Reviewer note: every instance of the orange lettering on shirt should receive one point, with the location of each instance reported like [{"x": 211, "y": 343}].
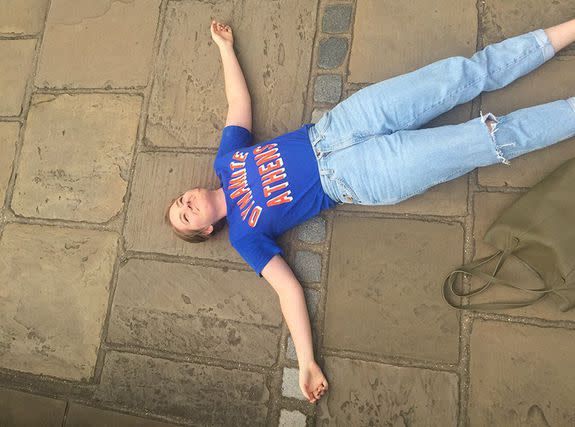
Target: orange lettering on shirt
[
  {"x": 268, "y": 156},
  {"x": 263, "y": 169},
  {"x": 274, "y": 176},
  {"x": 240, "y": 191},
  {"x": 263, "y": 148},
  {"x": 240, "y": 156},
  {"x": 237, "y": 182},
  {"x": 269, "y": 190},
  {"x": 237, "y": 165},
  {"x": 246, "y": 211},
  {"x": 243, "y": 202},
  {"x": 238, "y": 173},
  {"x": 255, "y": 216},
  {"x": 282, "y": 198}
]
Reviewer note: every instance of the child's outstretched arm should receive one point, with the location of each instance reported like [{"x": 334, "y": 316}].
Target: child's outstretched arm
[
  {"x": 239, "y": 102},
  {"x": 311, "y": 379}
]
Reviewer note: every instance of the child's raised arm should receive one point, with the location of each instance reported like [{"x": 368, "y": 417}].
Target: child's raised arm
[
  {"x": 292, "y": 301},
  {"x": 239, "y": 102}
]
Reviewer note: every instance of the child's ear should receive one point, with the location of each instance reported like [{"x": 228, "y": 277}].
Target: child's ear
[{"x": 208, "y": 230}]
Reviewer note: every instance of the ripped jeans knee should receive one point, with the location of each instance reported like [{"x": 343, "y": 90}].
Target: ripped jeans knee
[{"x": 491, "y": 122}]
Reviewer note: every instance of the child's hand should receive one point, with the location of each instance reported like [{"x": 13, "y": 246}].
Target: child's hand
[
  {"x": 312, "y": 382},
  {"x": 221, "y": 34}
]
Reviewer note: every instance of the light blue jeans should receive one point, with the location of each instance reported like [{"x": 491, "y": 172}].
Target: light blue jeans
[{"x": 370, "y": 151}]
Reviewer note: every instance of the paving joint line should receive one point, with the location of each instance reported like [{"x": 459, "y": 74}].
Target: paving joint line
[
  {"x": 188, "y": 358},
  {"x": 140, "y": 134},
  {"x": 398, "y": 361},
  {"x": 188, "y": 260},
  {"x": 524, "y": 320}
]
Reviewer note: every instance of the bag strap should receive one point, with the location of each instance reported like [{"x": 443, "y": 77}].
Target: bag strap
[{"x": 450, "y": 294}]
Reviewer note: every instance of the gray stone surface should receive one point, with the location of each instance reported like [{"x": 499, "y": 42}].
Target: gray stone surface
[
  {"x": 85, "y": 416},
  {"x": 553, "y": 81},
  {"x": 327, "y": 88},
  {"x": 337, "y": 18},
  {"x": 519, "y": 375},
  {"x": 273, "y": 40},
  {"x": 158, "y": 179},
  {"x": 374, "y": 394},
  {"x": 21, "y": 17},
  {"x": 59, "y": 177},
  {"x": 312, "y": 231},
  {"x": 317, "y": 114},
  {"x": 186, "y": 309},
  {"x": 307, "y": 266},
  {"x": 290, "y": 384},
  {"x": 447, "y": 199},
  {"x": 488, "y": 207},
  {"x": 383, "y": 288},
  {"x": 332, "y": 52},
  {"x": 432, "y": 35},
  {"x": 201, "y": 394},
  {"x": 54, "y": 298},
  {"x": 8, "y": 140},
  {"x": 96, "y": 44},
  {"x": 19, "y": 409},
  {"x": 292, "y": 419},
  {"x": 15, "y": 69}
]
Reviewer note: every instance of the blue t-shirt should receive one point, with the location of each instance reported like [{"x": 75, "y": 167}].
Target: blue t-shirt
[{"x": 269, "y": 188}]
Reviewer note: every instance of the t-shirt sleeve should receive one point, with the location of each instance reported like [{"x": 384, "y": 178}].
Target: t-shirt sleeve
[
  {"x": 233, "y": 138},
  {"x": 257, "y": 250}
]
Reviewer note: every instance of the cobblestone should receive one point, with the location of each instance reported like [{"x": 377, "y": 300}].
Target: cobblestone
[
  {"x": 292, "y": 419},
  {"x": 332, "y": 52},
  {"x": 337, "y": 18},
  {"x": 312, "y": 231},
  {"x": 307, "y": 266},
  {"x": 290, "y": 384},
  {"x": 327, "y": 88}
]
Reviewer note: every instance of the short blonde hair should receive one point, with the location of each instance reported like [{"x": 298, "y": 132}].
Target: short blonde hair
[{"x": 193, "y": 236}]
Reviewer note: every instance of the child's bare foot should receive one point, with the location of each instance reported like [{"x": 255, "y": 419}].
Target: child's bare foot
[{"x": 312, "y": 382}]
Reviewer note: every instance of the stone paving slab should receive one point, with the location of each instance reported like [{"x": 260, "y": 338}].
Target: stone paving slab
[
  {"x": 19, "y": 409},
  {"x": 374, "y": 394},
  {"x": 202, "y": 394},
  {"x": 506, "y": 18},
  {"x": 76, "y": 156},
  {"x": 98, "y": 44},
  {"x": 23, "y": 17},
  {"x": 158, "y": 179},
  {"x": 85, "y": 416},
  {"x": 553, "y": 81},
  {"x": 521, "y": 375},
  {"x": 387, "y": 274},
  {"x": 54, "y": 298},
  {"x": 488, "y": 207},
  {"x": 274, "y": 44},
  {"x": 390, "y": 50},
  {"x": 185, "y": 309},
  {"x": 447, "y": 199},
  {"x": 8, "y": 140},
  {"x": 15, "y": 68}
]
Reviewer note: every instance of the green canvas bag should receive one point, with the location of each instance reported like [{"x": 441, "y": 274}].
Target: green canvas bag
[{"x": 538, "y": 230}]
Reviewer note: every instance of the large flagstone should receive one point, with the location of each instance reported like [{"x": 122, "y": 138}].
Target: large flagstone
[
  {"x": 53, "y": 298},
  {"x": 273, "y": 41}
]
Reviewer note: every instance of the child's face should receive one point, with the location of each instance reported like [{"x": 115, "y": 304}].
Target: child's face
[{"x": 193, "y": 210}]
